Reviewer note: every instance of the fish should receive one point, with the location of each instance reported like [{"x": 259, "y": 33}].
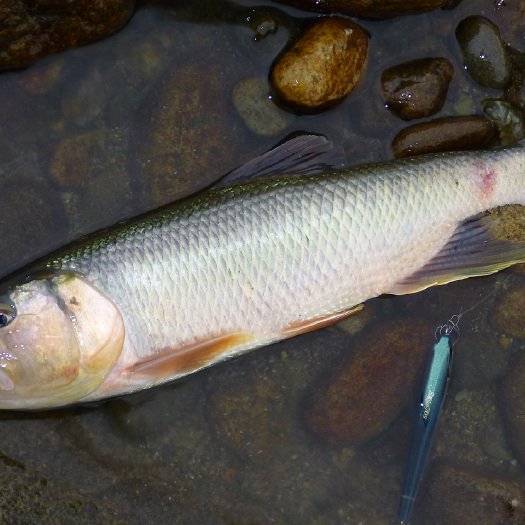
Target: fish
[{"x": 245, "y": 265}]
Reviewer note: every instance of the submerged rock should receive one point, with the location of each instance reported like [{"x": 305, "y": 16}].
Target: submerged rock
[
  {"x": 512, "y": 405},
  {"x": 418, "y": 88},
  {"x": 185, "y": 138},
  {"x": 71, "y": 160},
  {"x": 483, "y": 52},
  {"x": 479, "y": 360},
  {"x": 368, "y": 8},
  {"x": 369, "y": 389},
  {"x": 322, "y": 67},
  {"x": 447, "y": 134},
  {"x": 250, "y": 402},
  {"x": 508, "y": 316},
  {"x": 508, "y": 120},
  {"x": 462, "y": 495},
  {"x": 32, "y": 30},
  {"x": 252, "y": 100}
]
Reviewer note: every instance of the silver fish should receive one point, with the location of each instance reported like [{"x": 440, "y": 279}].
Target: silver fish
[{"x": 243, "y": 267}]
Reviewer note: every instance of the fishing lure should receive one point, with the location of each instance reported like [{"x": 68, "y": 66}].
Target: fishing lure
[
  {"x": 427, "y": 415},
  {"x": 429, "y": 408}
]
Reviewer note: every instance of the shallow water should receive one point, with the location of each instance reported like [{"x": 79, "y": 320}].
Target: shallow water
[{"x": 228, "y": 445}]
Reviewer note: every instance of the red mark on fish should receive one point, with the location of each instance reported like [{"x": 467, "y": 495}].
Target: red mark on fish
[{"x": 485, "y": 178}]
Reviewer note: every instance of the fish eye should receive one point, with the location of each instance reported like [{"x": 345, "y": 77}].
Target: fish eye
[{"x": 7, "y": 313}]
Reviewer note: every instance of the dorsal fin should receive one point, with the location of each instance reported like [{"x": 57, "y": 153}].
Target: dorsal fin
[{"x": 301, "y": 156}]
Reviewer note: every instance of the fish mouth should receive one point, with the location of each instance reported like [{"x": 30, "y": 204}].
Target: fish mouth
[{"x": 65, "y": 340}]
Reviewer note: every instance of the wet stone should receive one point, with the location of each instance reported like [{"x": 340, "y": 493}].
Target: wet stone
[
  {"x": 508, "y": 315},
  {"x": 483, "y": 52},
  {"x": 461, "y": 495},
  {"x": 32, "y": 30},
  {"x": 322, "y": 67},
  {"x": 368, "y": 8},
  {"x": 252, "y": 100},
  {"x": 368, "y": 390},
  {"x": 418, "y": 88},
  {"x": 512, "y": 405},
  {"x": 508, "y": 120},
  {"x": 447, "y": 134}
]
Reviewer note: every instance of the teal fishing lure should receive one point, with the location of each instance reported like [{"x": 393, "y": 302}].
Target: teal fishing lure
[
  {"x": 429, "y": 407},
  {"x": 427, "y": 415}
]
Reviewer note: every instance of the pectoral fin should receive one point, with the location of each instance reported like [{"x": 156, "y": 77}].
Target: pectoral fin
[
  {"x": 173, "y": 362},
  {"x": 471, "y": 251}
]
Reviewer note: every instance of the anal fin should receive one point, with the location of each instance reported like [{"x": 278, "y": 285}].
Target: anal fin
[
  {"x": 181, "y": 360},
  {"x": 301, "y": 327},
  {"x": 471, "y": 251}
]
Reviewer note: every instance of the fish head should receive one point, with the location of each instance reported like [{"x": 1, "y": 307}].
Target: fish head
[{"x": 59, "y": 338}]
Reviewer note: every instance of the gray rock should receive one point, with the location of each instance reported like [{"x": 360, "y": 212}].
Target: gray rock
[{"x": 483, "y": 52}]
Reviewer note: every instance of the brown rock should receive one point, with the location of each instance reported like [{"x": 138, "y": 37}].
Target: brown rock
[
  {"x": 512, "y": 405},
  {"x": 323, "y": 66},
  {"x": 368, "y": 8},
  {"x": 369, "y": 390},
  {"x": 462, "y": 495},
  {"x": 508, "y": 316},
  {"x": 185, "y": 134},
  {"x": 30, "y": 32},
  {"x": 418, "y": 88},
  {"x": 447, "y": 134}
]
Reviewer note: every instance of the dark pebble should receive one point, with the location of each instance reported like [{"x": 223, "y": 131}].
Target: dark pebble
[
  {"x": 447, "y": 134},
  {"x": 418, "y": 88},
  {"x": 483, "y": 52}
]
